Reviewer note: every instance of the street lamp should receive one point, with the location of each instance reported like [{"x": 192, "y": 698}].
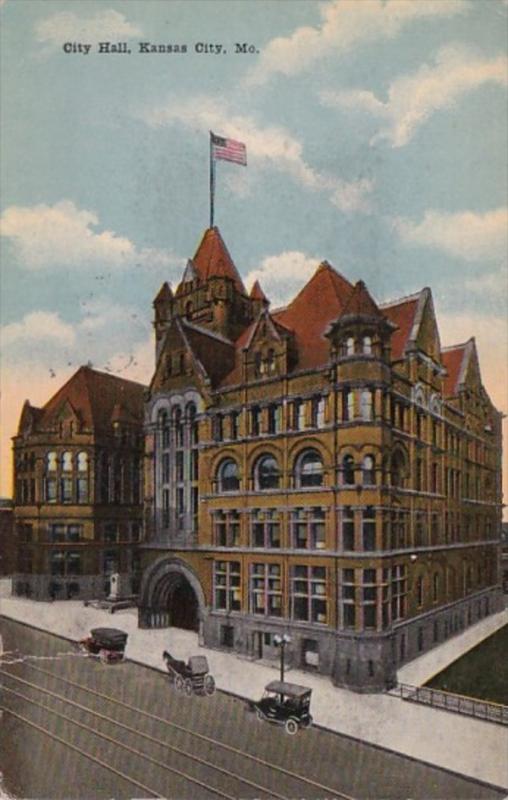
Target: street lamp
[{"x": 281, "y": 641}]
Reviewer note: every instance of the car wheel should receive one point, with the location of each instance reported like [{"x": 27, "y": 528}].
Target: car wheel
[
  {"x": 188, "y": 687},
  {"x": 291, "y": 727},
  {"x": 260, "y": 716},
  {"x": 209, "y": 685},
  {"x": 179, "y": 683},
  {"x": 307, "y": 723}
]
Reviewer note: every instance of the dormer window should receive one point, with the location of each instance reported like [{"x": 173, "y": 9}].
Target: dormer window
[
  {"x": 270, "y": 361},
  {"x": 367, "y": 345},
  {"x": 350, "y": 346}
]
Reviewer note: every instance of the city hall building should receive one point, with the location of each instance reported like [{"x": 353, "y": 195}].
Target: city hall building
[
  {"x": 78, "y": 489},
  {"x": 326, "y": 470}
]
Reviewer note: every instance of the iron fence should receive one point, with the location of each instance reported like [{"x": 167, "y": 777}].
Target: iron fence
[{"x": 460, "y": 704}]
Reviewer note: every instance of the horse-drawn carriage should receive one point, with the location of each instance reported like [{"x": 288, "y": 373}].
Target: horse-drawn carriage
[
  {"x": 192, "y": 677},
  {"x": 106, "y": 643}
]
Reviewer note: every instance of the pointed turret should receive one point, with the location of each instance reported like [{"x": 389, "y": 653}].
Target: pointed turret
[
  {"x": 164, "y": 294},
  {"x": 212, "y": 259},
  {"x": 360, "y": 304}
]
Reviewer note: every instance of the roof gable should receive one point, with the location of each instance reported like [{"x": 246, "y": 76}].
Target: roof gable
[
  {"x": 321, "y": 301},
  {"x": 402, "y": 313},
  {"x": 426, "y": 335},
  {"x": 212, "y": 259}
]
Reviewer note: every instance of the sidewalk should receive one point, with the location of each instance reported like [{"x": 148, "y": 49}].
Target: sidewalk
[{"x": 468, "y": 746}]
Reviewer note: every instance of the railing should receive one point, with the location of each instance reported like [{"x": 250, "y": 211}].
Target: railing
[
  {"x": 460, "y": 704},
  {"x": 153, "y": 618}
]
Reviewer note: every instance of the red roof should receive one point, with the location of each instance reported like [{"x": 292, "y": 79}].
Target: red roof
[
  {"x": 361, "y": 303},
  {"x": 453, "y": 359},
  {"x": 320, "y": 302},
  {"x": 402, "y": 314},
  {"x": 96, "y": 398},
  {"x": 212, "y": 258},
  {"x": 256, "y": 293}
]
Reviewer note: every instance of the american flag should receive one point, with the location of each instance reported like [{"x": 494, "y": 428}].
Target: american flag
[{"x": 228, "y": 150}]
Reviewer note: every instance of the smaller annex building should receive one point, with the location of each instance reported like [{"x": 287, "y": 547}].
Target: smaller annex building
[
  {"x": 78, "y": 489},
  {"x": 327, "y": 470}
]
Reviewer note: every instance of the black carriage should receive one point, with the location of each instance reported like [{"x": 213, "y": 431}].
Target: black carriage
[
  {"x": 285, "y": 704},
  {"x": 192, "y": 677},
  {"x": 106, "y": 643}
]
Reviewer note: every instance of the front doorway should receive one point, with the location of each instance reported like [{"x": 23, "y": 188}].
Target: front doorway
[{"x": 183, "y": 606}]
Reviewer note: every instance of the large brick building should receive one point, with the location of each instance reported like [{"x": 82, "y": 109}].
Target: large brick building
[
  {"x": 78, "y": 488},
  {"x": 327, "y": 470}
]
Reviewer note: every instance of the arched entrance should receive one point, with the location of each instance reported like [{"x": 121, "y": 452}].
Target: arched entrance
[{"x": 171, "y": 596}]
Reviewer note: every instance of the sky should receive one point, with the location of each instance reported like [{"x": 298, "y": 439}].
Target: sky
[{"x": 376, "y": 138}]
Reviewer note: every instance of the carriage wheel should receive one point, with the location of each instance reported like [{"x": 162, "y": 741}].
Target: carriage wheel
[
  {"x": 188, "y": 687},
  {"x": 209, "y": 685},
  {"x": 179, "y": 683},
  {"x": 291, "y": 727},
  {"x": 83, "y": 648},
  {"x": 259, "y": 716},
  {"x": 103, "y": 656}
]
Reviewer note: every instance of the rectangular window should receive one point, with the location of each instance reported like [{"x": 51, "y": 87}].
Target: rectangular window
[
  {"x": 399, "y": 591},
  {"x": 233, "y": 425},
  {"x": 369, "y": 528},
  {"x": 265, "y": 528},
  {"x": 308, "y": 528},
  {"x": 74, "y": 533},
  {"x": 369, "y": 598},
  {"x": 180, "y": 508},
  {"x": 57, "y": 533},
  {"x": 348, "y": 598},
  {"x": 111, "y": 532},
  {"x": 179, "y": 466},
  {"x": 348, "y": 528},
  {"x": 82, "y": 490},
  {"x": 255, "y": 417},
  {"x": 226, "y": 528},
  {"x": 266, "y": 590},
  {"x": 165, "y": 467},
  {"x": 273, "y": 413},
  {"x": 318, "y": 412},
  {"x": 227, "y": 587},
  {"x": 308, "y": 594},
  {"x": 348, "y": 405},
  {"x": 66, "y": 489},
  {"x": 51, "y": 490},
  {"x": 217, "y": 428}
]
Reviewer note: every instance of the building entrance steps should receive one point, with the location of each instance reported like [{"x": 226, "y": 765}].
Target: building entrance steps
[{"x": 464, "y": 745}]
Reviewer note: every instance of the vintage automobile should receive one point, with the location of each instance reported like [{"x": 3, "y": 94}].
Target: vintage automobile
[
  {"x": 285, "y": 704},
  {"x": 193, "y": 677},
  {"x": 106, "y": 643}
]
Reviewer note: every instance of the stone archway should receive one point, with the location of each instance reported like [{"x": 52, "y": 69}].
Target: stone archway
[{"x": 171, "y": 596}]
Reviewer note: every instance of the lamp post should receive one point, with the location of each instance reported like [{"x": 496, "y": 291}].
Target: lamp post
[{"x": 281, "y": 641}]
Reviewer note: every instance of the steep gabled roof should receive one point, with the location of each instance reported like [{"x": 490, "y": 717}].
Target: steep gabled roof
[
  {"x": 360, "y": 303},
  {"x": 321, "y": 301},
  {"x": 164, "y": 294},
  {"x": 256, "y": 293},
  {"x": 457, "y": 360},
  {"x": 403, "y": 314},
  {"x": 94, "y": 396},
  {"x": 212, "y": 258}
]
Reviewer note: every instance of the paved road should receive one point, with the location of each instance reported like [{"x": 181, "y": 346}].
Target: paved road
[{"x": 101, "y": 731}]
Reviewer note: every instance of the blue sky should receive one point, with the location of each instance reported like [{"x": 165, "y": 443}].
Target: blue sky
[{"x": 376, "y": 137}]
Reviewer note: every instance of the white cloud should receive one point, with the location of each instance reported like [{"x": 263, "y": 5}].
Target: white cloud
[
  {"x": 346, "y": 24},
  {"x": 269, "y": 147},
  {"x": 106, "y": 25},
  {"x": 282, "y": 276},
  {"x": 413, "y": 99},
  {"x": 63, "y": 235},
  {"x": 468, "y": 235},
  {"x": 38, "y": 326}
]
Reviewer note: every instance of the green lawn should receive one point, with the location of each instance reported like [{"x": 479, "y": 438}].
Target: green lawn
[{"x": 481, "y": 673}]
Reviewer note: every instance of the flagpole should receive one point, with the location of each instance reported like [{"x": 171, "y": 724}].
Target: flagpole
[{"x": 212, "y": 181}]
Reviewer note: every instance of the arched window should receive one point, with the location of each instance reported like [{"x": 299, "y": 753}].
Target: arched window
[
  {"x": 348, "y": 470},
  {"x": 266, "y": 473},
  {"x": 367, "y": 345},
  {"x": 350, "y": 346},
  {"x": 398, "y": 468},
  {"x": 368, "y": 470},
  {"x": 82, "y": 462},
  {"x": 67, "y": 461},
  {"x": 178, "y": 426},
  {"x": 228, "y": 479},
  {"x": 51, "y": 462},
  {"x": 309, "y": 469},
  {"x": 366, "y": 404}
]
